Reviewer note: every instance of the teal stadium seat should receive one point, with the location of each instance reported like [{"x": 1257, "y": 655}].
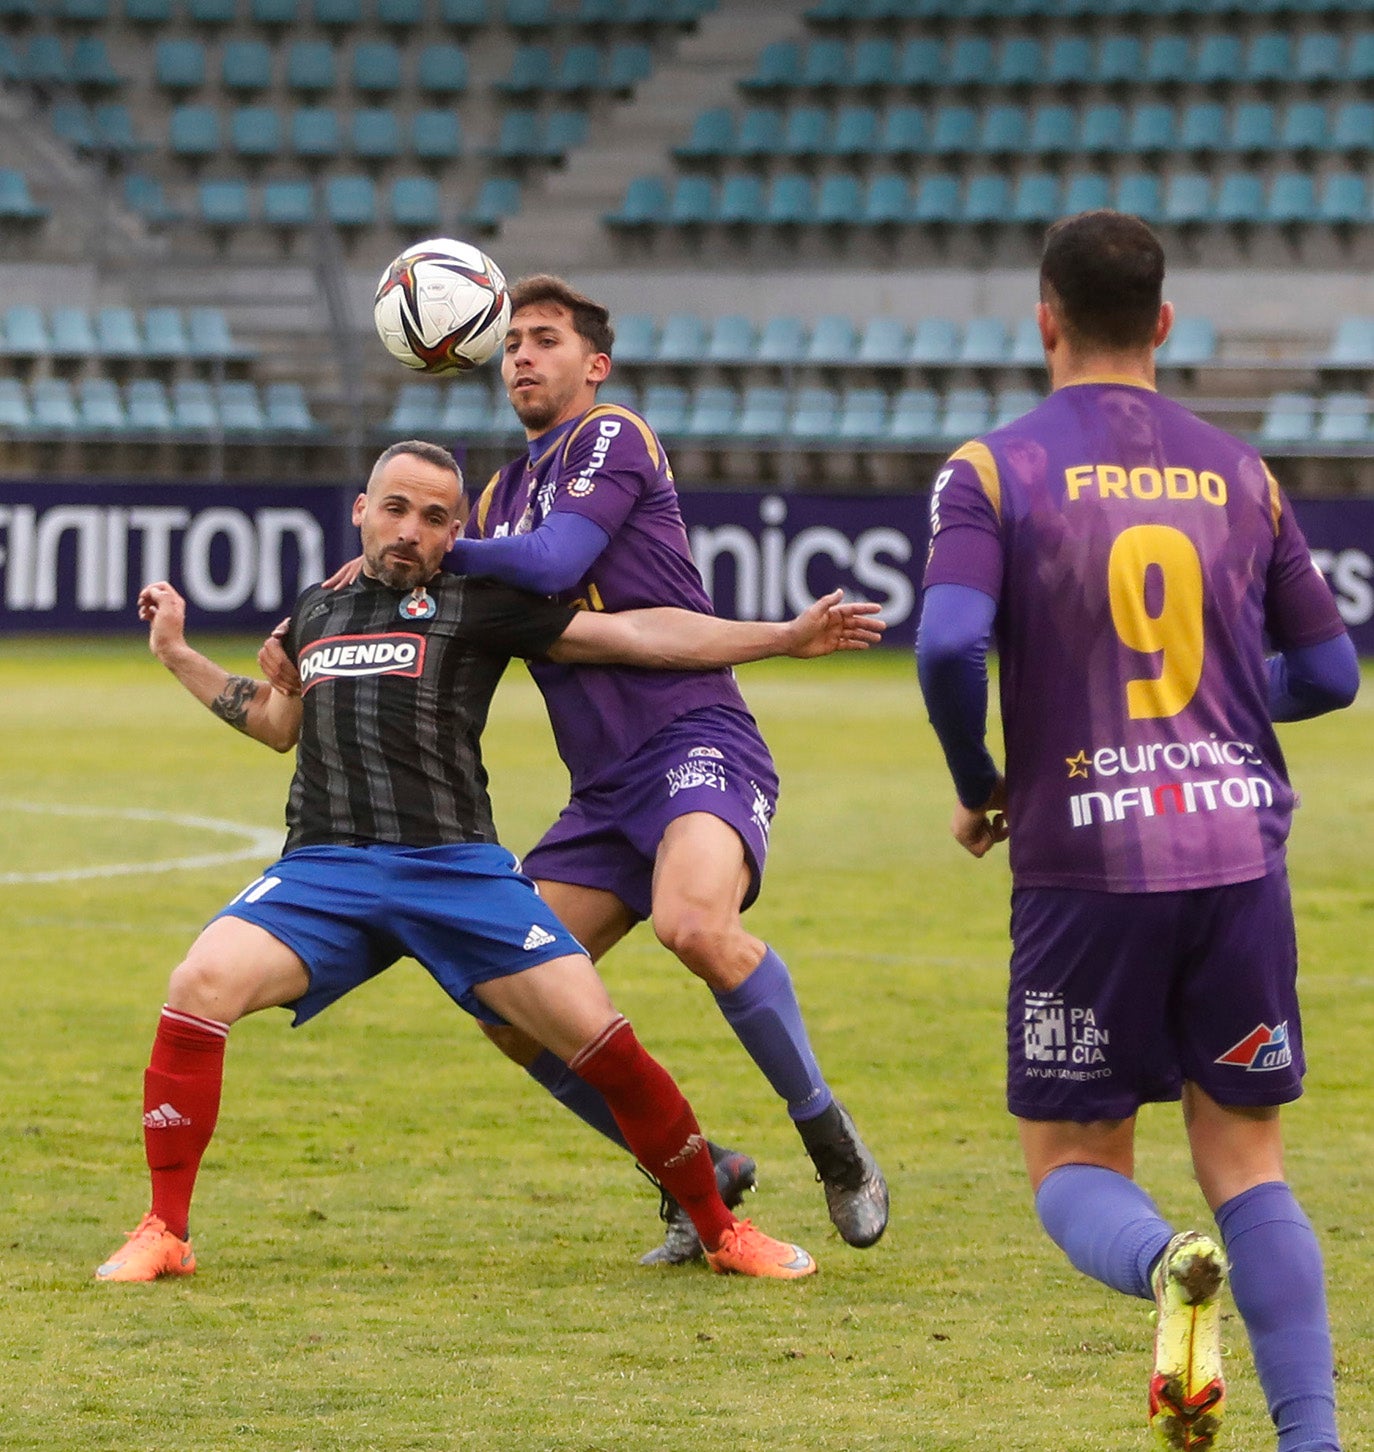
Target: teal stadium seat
[
  {"x": 915, "y": 417},
  {"x": 375, "y": 133},
  {"x": 1141, "y": 194},
  {"x": 782, "y": 340},
  {"x": 564, "y": 130},
  {"x": 287, "y": 408},
  {"x": 1010, "y": 404},
  {"x": 468, "y": 409},
  {"x": 1020, "y": 63},
  {"x": 921, "y": 64},
  {"x": 376, "y": 68},
  {"x": 636, "y": 338},
  {"x": 885, "y": 342},
  {"x": 985, "y": 343},
  {"x": 91, "y": 67},
  {"x": 54, "y": 407},
  {"x": 1240, "y": 199},
  {"x": 1120, "y": 60},
  {"x": 1304, "y": 128},
  {"x": 1292, "y": 199},
  {"x": 815, "y": 415},
  {"x": 631, "y": 63},
  {"x": 211, "y": 12},
  {"x": 246, "y": 66},
  {"x": 1035, "y": 200},
  {"x": 790, "y": 201},
  {"x": 763, "y": 413},
  {"x": 1359, "y": 63},
  {"x": 1352, "y": 131},
  {"x": 88, "y": 11},
  {"x": 273, "y": 14},
  {"x": 16, "y": 202},
  {"x": 193, "y": 407},
  {"x": 46, "y": 66},
  {"x": 436, "y": 135},
  {"x": 1053, "y": 131},
  {"x": 147, "y": 407},
  {"x": 1168, "y": 60},
  {"x": 1003, "y": 130},
  {"x": 902, "y": 132},
  {"x": 1087, "y": 191},
  {"x": 179, "y": 65},
  {"x": 400, "y": 14},
  {"x": 1343, "y": 200},
  {"x": 442, "y": 70},
  {"x": 731, "y": 340},
  {"x": 1269, "y": 59},
  {"x": 987, "y": 199},
  {"x": 741, "y": 202},
  {"x": 224, "y": 203},
  {"x": 1219, "y": 60},
  {"x": 833, "y": 340},
  {"x": 1187, "y": 199},
  {"x": 1290, "y": 419},
  {"x": 967, "y": 412},
  {"x": 806, "y": 132},
  {"x": 71, "y": 123},
  {"x": 577, "y": 71},
  {"x": 824, "y": 65},
  {"x": 208, "y": 336},
  {"x": 72, "y": 333},
  {"x": 15, "y": 413},
  {"x": 693, "y": 202},
  {"x": 1103, "y": 130},
  {"x": 414, "y": 203},
  {"x": 1343, "y": 419},
  {"x": 1352, "y": 344},
  {"x": 529, "y": 14},
  {"x": 712, "y": 136},
  {"x": 1318, "y": 60},
  {"x": 682, "y": 340},
  {"x": 1191, "y": 343},
  {"x": 193, "y": 131},
  {"x": 873, "y": 63},
  {"x": 148, "y": 12},
  {"x": 665, "y": 406},
  {"x": 26, "y": 332},
  {"x": 1151, "y": 130},
  {"x": 856, "y": 132},
  {"x": 971, "y": 62},
  {"x": 337, "y": 14},
  {"x": 937, "y": 201},
  {"x": 164, "y": 334},
  {"x": 841, "y": 201},
  {"x": 99, "y": 407},
  {"x": 288, "y": 205},
  {"x": 760, "y": 132},
  {"x": 350, "y": 201},
  {"x": 114, "y": 130},
  {"x": 418, "y": 408},
  {"x": 1070, "y": 61},
  {"x": 1026, "y": 350},
  {"x": 315, "y": 132},
  {"x": 935, "y": 343},
  {"x": 778, "y": 68},
  {"x": 255, "y": 132},
  {"x": 240, "y": 408},
  {"x": 954, "y": 131},
  {"x": 863, "y": 416},
  {"x": 497, "y": 198},
  {"x": 1254, "y": 128},
  {"x": 463, "y": 15},
  {"x": 645, "y": 204},
  {"x": 116, "y": 334},
  {"x": 886, "y": 201},
  {"x": 310, "y": 67},
  {"x": 713, "y": 413}
]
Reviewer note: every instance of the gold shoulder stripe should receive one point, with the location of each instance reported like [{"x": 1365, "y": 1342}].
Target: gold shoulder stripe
[
  {"x": 1275, "y": 500},
  {"x": 484, "y": 503},
  {"x": 980, "y": 456},
  {"x": 615, "y": 410}
]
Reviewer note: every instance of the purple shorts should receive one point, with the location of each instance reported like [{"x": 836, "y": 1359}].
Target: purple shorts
[
  {"x": 712, "y": 760},
  {"x": 1117, "y": 998}
]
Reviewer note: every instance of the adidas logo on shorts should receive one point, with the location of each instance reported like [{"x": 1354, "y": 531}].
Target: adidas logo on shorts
[{"x": 537, "y": 937}]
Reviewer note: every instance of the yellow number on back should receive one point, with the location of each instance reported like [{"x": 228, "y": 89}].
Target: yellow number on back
[{"x": 1175, "y": 632}]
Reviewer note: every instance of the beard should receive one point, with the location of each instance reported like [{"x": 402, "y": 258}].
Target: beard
[
  {"x": 399, "y": 573},
  {"x": 537, "y": 411}
]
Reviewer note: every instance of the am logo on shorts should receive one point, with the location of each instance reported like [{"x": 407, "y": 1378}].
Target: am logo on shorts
[
  {"x": 345, "y": 657},
  {"x": 1262, "y": 1049}
]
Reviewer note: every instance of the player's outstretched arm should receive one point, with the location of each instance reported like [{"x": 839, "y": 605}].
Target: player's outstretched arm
[
  {"x": 250, "y": 706},
  {"x": 669, "y": 639}
]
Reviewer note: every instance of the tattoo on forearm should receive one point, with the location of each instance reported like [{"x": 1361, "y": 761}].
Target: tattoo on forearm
[{"x": 233, "y": 701}]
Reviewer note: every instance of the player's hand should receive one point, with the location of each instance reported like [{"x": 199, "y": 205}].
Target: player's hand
[
  {"x": 979, "y": 829},
  {"x": 276, "y": 665},
  {"x": 164, "y": 610},
  {"x": 345, "y": 574},
  {"x": 834, "y": 623}
]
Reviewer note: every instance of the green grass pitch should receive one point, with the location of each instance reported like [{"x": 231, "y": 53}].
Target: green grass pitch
[{"x": 403, "y": 1245}]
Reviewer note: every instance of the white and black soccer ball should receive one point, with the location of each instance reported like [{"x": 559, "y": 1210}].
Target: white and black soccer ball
[{"x": 442, "y": 307}]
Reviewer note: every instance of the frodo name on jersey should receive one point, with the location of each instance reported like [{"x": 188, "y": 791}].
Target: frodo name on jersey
[
  {"x": 347, "y": 657},
  {"x": 1112, "y": 481}
]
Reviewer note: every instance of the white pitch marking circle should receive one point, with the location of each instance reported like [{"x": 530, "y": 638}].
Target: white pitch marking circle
[{"x": 258, "y": 843}]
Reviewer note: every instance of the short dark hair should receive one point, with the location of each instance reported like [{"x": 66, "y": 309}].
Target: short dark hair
[
  {"x": 591, "y": 319},
  {"x": 434, "y": 454},
  {"x": 1105, "y": 270}
]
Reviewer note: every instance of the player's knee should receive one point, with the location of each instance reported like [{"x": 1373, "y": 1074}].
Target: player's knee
[
  {"x": 205, "y": 986},
  {"x": 703, "y": 942}
]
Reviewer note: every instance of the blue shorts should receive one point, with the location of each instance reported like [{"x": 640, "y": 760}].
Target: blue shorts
[
  {"x": 1117, "y": 998},
  {"x": 712, "y": 760},
  {"x": 348, "y": 913}
]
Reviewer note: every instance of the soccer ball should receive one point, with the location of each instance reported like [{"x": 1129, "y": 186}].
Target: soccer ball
[{"x": 442, "y": 307}]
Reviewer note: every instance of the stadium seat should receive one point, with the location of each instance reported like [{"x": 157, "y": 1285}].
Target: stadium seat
[
  {"x": 636, "y": 338},
  {"x": 246, "y": 65},
  {"x": 1087, "y": 191},
  {"x": 1168, "y": 60},
  {"x": 1035, "y": 199},
  {"x": 54, "y": 407},
  {"x": 970, "y": 62},
  {"x": 1292, "y": 199},
  {"x": 1191, "y": 342},
  {"x": 1218, "y": 59},
  {"x": 376, "y": 68},
  {"x": 208, "y": 335},
  {"x": 730, "y": 340},
  {"x": 884, "y": 342},
  {"x": 1343, "y": 418},
  {"x": 824, "y": 65},
  {"x": 741, "y": 202},
  {"x": 310, "y": 68},
  {"x": 211, "y": 12},
  {"x": 1010, "y": 404},
  {"x": 1103, "y": 130},
  {"x": 46, "y": 66},
  {"x": 1027, "y": 351},
  {"x": 1359, "y": 63},
  {"x": 1070, "y": 61},
  {"x": 1187, "y": 198},
  {"x": 840, "y": 201},
  {"x": 179, "y": 65},
  {"x": 778, "y": 68},
  {"x": 863, "y": 416},
  {"x": 712, "y": 135},
  {"x": 1120, "y": 60},
  {"x": 855, "y": 133},
  {"x": 1151, "y": 129},
  {"x": 1240, "y": 198},
  {"x": 577, "y": 70},
  {"x": 147, "y": 407},
  {"x": 665, "y": 406},
  {"x": 763, "y": 413},
  {"x": 339, "y": 14},
  {"x": 873, "y": 63},
  {"x": 531, "y": 72},
  {"x": 114, "y": 129},
  {"x": 1318, "y": 59},
  {"x": 1053, "y": 131},
  {"x": 287, "y": 408},
  {"x": 902, "y": 132},
  {"x": 915, "y": 416},
  {"x": 71, "y": 122},
  {"x": 1343, "y": 200},
  {"x": 1289, "y": 419},
  {"x": 987, "y": 200},
  {"x": 713, "y": 413},
  {"x": 1003, "y": 130},
  {"x": 954, "y": 131},
  {"x": 814, "y": 415},
  {"x": 682, "y": 340},
  {"x": 72, "y": 333},
  {"x": 464, "y": 15},
  {"x": 193, "y": 131},
  {"x": 693, "y": 202},
  {"x": 833, "y": 341},
  {"x": 99, "y": 407},
  {"x": 193, "y": 407},
  {"x": 518, "y": 137},
  {"x": 272, "y": 14},
  {"x": 1269, "y": 59},
  {"x": 413, "y": 203},
  {"x": 91, "y": 67},
  {"x": 760, "y": 132},
  {"x": 1019, "y": 63},
  {"x": 1353, "y": 128},
  {"x": 1254, "y": 128},
  {"x": 418, "y": 408},
  {"x": 985, "y": 343},
  {"x": 966, "y": 413},
  {"x": 117, "y": 335},
  {"x": 315, "y": 132},
  {"x": 806, "y": 132},
  {"x": 148, "y": 12},
  {"x": 468, "y": 409},
  {"x": 789, "y": 201},
  {"x": 224, "y": 203},
  {"x": 1202, "y": 128},
  {"x": 921, "y": 64},
  {"x": 782, "y": 340},
  {"x": 164, "y": 334},
  {"x": 935, "y": 343},
  {"x": 529, "y": 14},
  {"x": 1139, "y": 193},
  {"x": 886, "y": 202},
  {"x": 288, "y": 204},
  {"x": 442, "y": 70},
  {"x": 350, "y": 201},
  {"x": 15, "y": 413},
  {"x": 26, "y": 332},
  {"x": 936, "y": 201},
  {"x": 400, "y": 14},
  {"x": 1352, "y": 345},
  {"x": 255, "y": 132},
  {"x": 240, "y": 408},
  {"x": 1304, "y": 128},
  {"x": 436, "y": 135},
  {"x": 645, "y": 203}
]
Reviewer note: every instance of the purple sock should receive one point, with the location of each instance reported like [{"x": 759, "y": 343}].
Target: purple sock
[
  {"x": 1106, "y": 1225},
  {"x": 576, "y": 1094},
  {"x": 1277, "y": 1285},
  {"x": 766, "y": 1018}
]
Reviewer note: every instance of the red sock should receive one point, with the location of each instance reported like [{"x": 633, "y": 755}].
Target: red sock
[
  {"x": 658, "y": 1124},
  {"x": 180, "y": 1105}
]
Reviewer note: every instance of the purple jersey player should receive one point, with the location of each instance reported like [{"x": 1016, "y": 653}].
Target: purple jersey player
[
  {"x": 1131, "y": 560},
  {"x": 673, "y": 788}
]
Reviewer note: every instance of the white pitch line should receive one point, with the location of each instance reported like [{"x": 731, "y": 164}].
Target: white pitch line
[{"x": 258, "y": 843}]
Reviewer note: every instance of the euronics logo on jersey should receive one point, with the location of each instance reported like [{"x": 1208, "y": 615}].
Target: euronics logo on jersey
[
  {"x": 1180, "y": 797},
  {"x": 346, "y": 657},
  {"x": 1261, "y": 1050}
]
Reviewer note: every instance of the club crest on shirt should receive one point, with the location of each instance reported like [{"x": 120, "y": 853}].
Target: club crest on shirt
[{"x": 418, "y": 605}]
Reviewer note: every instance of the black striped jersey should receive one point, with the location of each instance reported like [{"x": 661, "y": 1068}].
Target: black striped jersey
[{"x": 396, "y": 686}]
